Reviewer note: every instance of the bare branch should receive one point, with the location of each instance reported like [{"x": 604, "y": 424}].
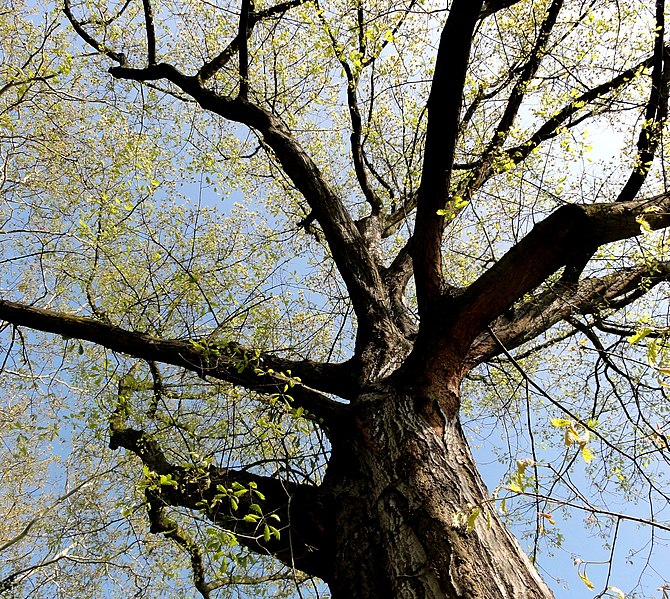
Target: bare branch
[
  {"x": 161, "y": 523},
  {"x": 528, "y": 71},
  {"x": 17, "y": 577},
  {"x": 26, "y": 82},
  {"x": 84, "y": 35},
  {"x": 277, "y": 9},
  {"x": 591, "y": 509},
  {"x": 400, "y": 215},
  {"x": 243, "y": 34},
  {"x": 357, "y": 148},
  {"x": 151, "y": 31}
]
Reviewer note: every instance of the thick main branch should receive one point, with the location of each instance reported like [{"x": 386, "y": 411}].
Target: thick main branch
[
  {"x": 554, "y": 242},
  {"x": 302, "y": 542},
  {"x": 444, "y": 106},
  {"x": 529, "y": 319},
  {"x": 252, "y": 369}
]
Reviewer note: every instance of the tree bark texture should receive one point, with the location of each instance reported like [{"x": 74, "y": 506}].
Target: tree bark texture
[
  {"x": 395, "y": 514},
  {"x": 403, "y": 484}
]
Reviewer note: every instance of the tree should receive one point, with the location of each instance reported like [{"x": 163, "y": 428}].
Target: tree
[{"x": 417, "y": 175}]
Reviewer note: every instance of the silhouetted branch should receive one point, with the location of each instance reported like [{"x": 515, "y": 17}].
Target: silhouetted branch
[{"x": 444, "y": 105}]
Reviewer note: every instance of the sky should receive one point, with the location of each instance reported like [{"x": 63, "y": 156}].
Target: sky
[{"x": 576, "y": 545}]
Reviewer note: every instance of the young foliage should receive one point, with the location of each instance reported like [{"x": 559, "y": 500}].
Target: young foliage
[{"x": 270, "y": 269}]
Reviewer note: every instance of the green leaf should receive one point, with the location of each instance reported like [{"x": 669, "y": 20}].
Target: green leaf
[
  {"x": 472, "y": 519},
  {"x": 459, "y": 202},
  {"x": 585, "y": 579},
  {"x": 166, "y": 480},
  {"x": 641, "y": 334},
  {"x": 587, "y": 454},
  {"x": 644, "y": 225}
]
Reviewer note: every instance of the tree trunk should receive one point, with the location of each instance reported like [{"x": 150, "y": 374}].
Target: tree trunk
[{"x": 404, "y": 484}]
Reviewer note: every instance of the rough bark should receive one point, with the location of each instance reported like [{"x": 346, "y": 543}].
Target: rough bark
[
  {"x": 404, "y": 484},
  {"x": 394, "y": 516}
]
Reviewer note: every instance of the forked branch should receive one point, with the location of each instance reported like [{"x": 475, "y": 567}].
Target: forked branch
[
  {"x": 295, "y": 510},
  {"x": 118, "y": 57},
  {"x": 552, "y": 243},
  {"x": 210, "y": 68},
  {"x": 531, "y": 318}
]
